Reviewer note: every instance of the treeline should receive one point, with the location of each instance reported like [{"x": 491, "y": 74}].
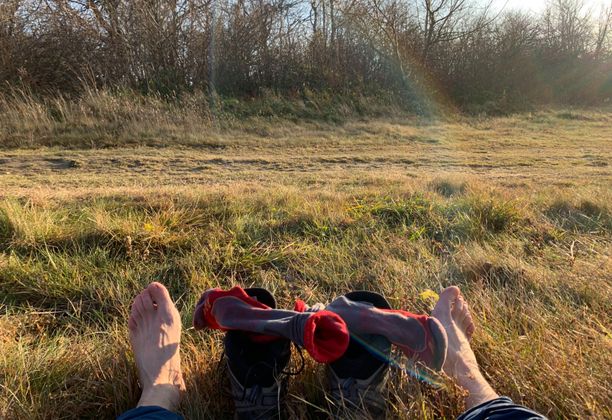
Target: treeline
[{"x": 456, "y": 50}]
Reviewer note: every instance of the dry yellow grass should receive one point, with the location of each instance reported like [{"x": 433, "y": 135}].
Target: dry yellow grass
[{"x": 515, "y": 210}]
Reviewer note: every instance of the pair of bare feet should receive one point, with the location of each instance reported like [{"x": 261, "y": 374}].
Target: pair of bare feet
[{"x": 155, "y": 333}]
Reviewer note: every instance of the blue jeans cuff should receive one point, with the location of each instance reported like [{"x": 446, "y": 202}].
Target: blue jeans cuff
[
  {"x": 501, "y": 408},
  {"x": 149, "y": 412}
]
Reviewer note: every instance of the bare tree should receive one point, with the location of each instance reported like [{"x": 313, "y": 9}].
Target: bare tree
[{"x": 248, "y": 47}]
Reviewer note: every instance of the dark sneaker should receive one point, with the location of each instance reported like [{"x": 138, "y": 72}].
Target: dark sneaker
[
  {"x": 256, "y": 369},
  {"x": 358, "y": 379}
]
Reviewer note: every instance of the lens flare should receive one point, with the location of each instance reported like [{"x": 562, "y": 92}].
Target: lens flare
[{"x": 399, "y": 361}]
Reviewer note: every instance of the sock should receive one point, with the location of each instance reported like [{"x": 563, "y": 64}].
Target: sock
[
  {"x": 418, "y": 336},
  {"x": 323, "y": 334}
]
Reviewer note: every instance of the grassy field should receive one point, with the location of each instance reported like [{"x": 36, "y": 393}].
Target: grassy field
[{"x": 515, "y": 210}]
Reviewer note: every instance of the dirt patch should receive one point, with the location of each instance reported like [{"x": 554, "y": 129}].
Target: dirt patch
[{"x": 61, "y": 163}]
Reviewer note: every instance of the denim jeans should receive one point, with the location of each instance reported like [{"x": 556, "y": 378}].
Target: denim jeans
[
  {"x": 149, "y": 412},
  {"x": 501, "y": 408}
]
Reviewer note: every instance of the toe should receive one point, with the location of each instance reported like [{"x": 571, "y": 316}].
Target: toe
[
  {"x": 462, "y": 317},
  {"x": 468, "y": 326},
  {"x": 148, "y": 301},
  {"x": 458, "y": 307},
  {"x": 162, "y": 299},
  {"x": 466, "y": 310},
  {"x": 135, "y": 311},
  {"x": 159, "y": 293},
  {"x": 132, "y": 324},
  {"x": 139, "y": 306},
  {"x": 460, "y": 311},
  {"x": 443, "y": 308},
  {"x": 469, "y": 332},
  {"x": 451, "y": 293}
]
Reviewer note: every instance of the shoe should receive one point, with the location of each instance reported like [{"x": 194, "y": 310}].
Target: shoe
[
  {"x": 255, "y": 369},
  {"x": 358, "y": 379}
]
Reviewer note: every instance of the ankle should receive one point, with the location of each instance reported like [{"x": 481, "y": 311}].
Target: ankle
[
  {"x": 479, "y": 390},
  {"x": 461, "y": 368},
  {"x": 166, "y": 396},
  {"x": 481, "y": 395}
]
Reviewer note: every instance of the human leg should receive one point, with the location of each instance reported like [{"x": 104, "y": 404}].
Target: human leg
[
  {"x": 155, "y": 331},
  {"x": 482, "y": 401}
]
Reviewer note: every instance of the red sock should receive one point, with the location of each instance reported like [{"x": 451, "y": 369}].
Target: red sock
[
  {"x": 417, "y": 336},
  {"x": 323, "y": 334}
]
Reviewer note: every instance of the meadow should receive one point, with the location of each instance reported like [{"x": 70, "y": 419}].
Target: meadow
[{"x": 516, "y": 210}]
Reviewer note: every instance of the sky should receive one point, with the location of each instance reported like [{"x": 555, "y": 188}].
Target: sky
[{"x": 539, "y": 5}]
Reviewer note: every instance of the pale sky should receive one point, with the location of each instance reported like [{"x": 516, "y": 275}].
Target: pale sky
[{"x": 539, "y": 5}]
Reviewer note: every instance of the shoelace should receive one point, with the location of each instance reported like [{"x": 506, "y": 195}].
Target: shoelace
[
  {"x": 349, "y": 387},
  {"x": 256, "y": 390},
  {"x": 344, "y": 388},
  {"x": 221, "y": 365},
  {"x": 254, "y": 395}
]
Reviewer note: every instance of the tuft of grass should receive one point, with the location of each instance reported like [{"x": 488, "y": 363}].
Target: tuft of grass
[
  {"x": 6, "y": 229},
  {"x": 447, "y": 188},
  {"x": 569, "y": 115},
  {"x": 467, "y": 218},
  {"x": 494, "y": 216},
  {"x": 586, "y": 216}
]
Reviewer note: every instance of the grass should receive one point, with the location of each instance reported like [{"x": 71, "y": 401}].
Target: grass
[
  {"x": 100, "y": 118},
  {"x": 312, "y": 212}
]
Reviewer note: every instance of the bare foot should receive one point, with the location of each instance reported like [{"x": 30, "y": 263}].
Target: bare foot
[
  {"x": 453, "y": 312},
  {"x": 155, "y": 334}
]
